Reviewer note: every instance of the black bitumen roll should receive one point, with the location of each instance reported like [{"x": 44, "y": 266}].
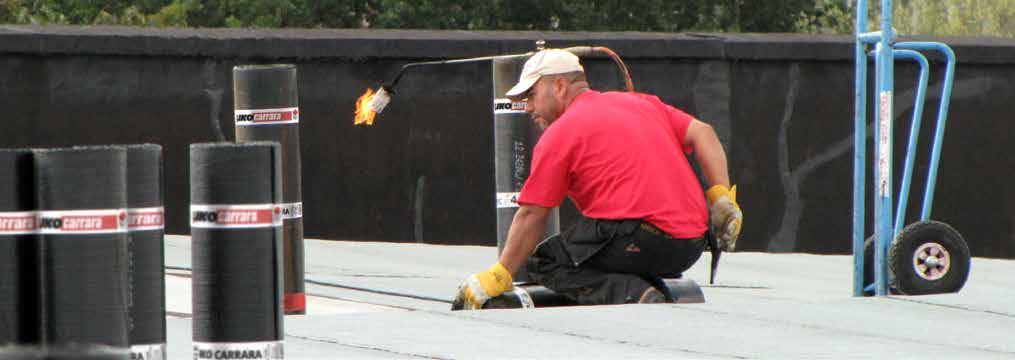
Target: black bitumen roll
[
  {"x": 65, "y": 352},
  {"x": 236, "y": 244},
  {"x": 683, "y": 290},
  {"x": 514, "y": 137},
  {"x": 82, "y": 201},
  {"x": 19, "y": 290},
  {"x": 266, "y": 102},
  {"x": 145, "y": 225}
]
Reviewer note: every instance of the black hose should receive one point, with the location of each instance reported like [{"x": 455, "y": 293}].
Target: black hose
[{"x": 349, "y": 287}]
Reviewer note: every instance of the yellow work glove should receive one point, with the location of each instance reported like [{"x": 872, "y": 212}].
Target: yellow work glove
[
  {"x": 725, "y": 215},
  {"x": 480, "y": 287}
]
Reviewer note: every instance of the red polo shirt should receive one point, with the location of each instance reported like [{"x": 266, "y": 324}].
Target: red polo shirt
[{"x": 619, "y": 155}]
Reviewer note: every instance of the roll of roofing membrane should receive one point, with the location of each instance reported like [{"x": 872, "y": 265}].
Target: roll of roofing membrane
[
  {"x": 527, "y": 296},
  {"x": 145, "y": 226},
  {"x": 514, "y": 137},
  {"x": 236, "y": 233},
  {"x": 19, "y": 312},
  {"x": 266, "y": 101},
  {"x": 64, "y": 352},
  {"x": 81, "y": 196}
]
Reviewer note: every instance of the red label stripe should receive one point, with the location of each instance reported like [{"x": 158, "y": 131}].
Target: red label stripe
[
  {"x": 235, "y": 216},
  {"x": 82, "y": 221},
  {"x": 267, "y": 116},
  {"x": 17, "y": 223},
  {"x": 146, "y": 218},
  {"x": 295, "y": 301}
]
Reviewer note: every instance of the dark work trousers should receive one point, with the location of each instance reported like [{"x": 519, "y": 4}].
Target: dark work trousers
[{"x": 610, "y": 261}]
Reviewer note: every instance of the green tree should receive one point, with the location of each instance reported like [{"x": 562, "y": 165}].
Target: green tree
[{"x": 923, "y": 17}]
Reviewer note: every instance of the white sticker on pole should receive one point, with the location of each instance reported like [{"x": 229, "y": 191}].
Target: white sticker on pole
[
  {"x": 264, "y": 350},
  {"x": 144, "y": 219},
  {"x": 17, "y": 223},
  {"x": 884, "y": 145},
  {"x": 292, "y": 211},
  {"x": 235, "y": 216},
  {"x": 506, "y": 106},
  {"x": 267, "y": 116},
  {"x": 507, "y": 200},
  {"x": 64, "y": 222}
]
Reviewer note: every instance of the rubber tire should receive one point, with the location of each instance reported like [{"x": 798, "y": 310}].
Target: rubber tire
[
  {"x": 868, "y": 268},
  {"x": 900, "y": 259},
  {"x": 868, "y": 264}
]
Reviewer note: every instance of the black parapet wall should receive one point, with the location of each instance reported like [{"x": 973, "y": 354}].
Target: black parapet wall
[{"x": 782, "y": 105}]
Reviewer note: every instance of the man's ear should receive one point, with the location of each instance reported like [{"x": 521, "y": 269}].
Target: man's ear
[{"x": 560, "y": 85}]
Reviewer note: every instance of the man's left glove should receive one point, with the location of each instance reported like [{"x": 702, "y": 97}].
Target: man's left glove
[
  {"x": 726, "y": 216},
  {"x": 480, "y": 287}
]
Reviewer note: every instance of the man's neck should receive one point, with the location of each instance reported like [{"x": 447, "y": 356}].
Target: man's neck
[{"x": 576, "y": 88}]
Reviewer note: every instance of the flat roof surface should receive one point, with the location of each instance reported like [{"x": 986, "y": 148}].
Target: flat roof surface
[{"x": 369, "y": 300}]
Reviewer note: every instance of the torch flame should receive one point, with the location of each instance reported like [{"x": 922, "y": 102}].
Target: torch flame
[{"x": 364, "y": 113}]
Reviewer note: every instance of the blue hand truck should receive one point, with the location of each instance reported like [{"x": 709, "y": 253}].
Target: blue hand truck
[{"x": 925, "y": 257}]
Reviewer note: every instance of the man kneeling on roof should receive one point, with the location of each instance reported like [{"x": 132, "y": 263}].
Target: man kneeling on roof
[{"x": 622, "y": 159}]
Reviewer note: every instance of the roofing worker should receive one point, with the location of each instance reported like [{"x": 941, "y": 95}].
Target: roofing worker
[{"x": 622, "y": 158}]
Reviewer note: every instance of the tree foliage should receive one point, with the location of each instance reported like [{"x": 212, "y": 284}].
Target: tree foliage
[{"x": 930, "y": 17}]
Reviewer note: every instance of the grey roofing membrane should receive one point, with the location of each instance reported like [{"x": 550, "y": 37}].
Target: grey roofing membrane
[{"x": 370, "y": 300}]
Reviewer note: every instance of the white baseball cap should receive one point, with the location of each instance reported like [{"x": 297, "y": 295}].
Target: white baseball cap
[{"x": 545, "y": 62}]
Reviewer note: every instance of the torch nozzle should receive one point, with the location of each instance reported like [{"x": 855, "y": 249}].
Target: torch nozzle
[{"x": 380, "y": 100}]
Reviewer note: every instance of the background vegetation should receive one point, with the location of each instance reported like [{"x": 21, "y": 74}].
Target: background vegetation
[{"x": 926, "y": 17}]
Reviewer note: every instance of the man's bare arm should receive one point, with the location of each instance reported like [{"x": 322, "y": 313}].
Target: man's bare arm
[
  {"x": 708, "y": 151},
  {"x": 525, "y": 233}
]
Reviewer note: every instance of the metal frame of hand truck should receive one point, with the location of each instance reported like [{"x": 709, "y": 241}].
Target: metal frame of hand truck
[{"x": 886, "y": 50}]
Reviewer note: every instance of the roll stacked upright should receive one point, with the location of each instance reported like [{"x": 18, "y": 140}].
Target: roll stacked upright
[
  {"x": 265, "y": 98},
  {"x": 236, "y": 242},
  {"x": 82, "y": 199},
  {"x": 19, "y": 310},
  {"x": 145, "y": 225}
]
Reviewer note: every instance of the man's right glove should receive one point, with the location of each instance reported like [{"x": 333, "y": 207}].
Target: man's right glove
[
  {"x": 726, "y": 216},
  {"x": 480, "y": 287}
]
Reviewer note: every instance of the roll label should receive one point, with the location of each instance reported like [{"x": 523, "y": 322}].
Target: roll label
[
  {"x": 267, "y": 350},
  {"x": 267, "y": 116},
  {"x": 506, "y": 106},
  {"x": 17, "y": 223},
  {"x": 507, "y": 200},
  {"x": 235, "y": 216},
  {"x": 148, "y": 352},
  {"x": 142, "y": 219},
  {"x": 107, "y": 221},
  {"x": 292, "y": 211}
]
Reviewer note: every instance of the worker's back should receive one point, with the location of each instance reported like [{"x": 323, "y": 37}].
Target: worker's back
[{"x": 623, "y": 159}]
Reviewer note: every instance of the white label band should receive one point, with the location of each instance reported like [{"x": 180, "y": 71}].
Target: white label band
[
  {"x": 17, "y": 222},
  {"x": 266, "y": 350},
  {"x": 235, "y": 216},
  {"x": 506, "y": 106},
  {"x": 292, "y": 211},
  {"x": 267, "y": 116},
  {"x": 148, "y": 352},
  {"x": 507, "y": 200},
  {"x": 144, "y": 219},
  {"x": 106, "y": 221},
  {"x": 884, "y": 142}
]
